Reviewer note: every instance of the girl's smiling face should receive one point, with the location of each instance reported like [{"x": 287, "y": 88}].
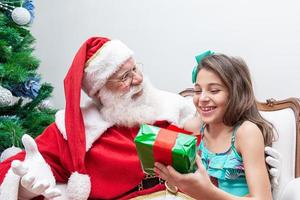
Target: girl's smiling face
[{"x": 211, "y": 96}]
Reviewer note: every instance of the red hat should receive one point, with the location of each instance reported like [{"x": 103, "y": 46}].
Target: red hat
[{"x": 96, "y": 60}]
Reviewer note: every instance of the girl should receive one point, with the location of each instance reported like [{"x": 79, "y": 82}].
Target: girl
[{"x": 232, "y": 164}]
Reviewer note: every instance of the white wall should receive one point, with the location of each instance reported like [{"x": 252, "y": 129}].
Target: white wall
[{"x": 166, "y": 34}]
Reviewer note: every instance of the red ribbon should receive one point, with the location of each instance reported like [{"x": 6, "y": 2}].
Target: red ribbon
[
  {"x": 175, "y": 128},
  {"x": 163, "y": 145}
]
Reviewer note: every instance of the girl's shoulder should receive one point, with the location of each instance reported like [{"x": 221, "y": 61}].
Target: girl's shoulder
[
  {"x": 248, "y": 135},
  {"x": 248, "y": 128}
]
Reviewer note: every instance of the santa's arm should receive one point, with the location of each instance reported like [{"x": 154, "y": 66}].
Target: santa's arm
[
  {"x": 29, "y": 178},
  {"x": 187, "y": 112},
  {"x": 9, "y": 181},
  {"x": 50, "y": 144}
]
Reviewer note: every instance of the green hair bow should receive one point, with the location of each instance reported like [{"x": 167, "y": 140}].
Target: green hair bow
[{"x": 199, "y": 58}]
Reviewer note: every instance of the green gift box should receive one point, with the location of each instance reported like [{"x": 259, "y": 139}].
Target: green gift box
[{"x": 168, "y": 147}]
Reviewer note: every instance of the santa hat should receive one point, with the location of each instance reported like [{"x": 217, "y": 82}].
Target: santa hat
[{"x": 96, "y": 60}]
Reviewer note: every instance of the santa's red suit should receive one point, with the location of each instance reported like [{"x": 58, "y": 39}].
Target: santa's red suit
[
  {"x": 95, "y": 158},
  {"x": 111, "y": 159}
]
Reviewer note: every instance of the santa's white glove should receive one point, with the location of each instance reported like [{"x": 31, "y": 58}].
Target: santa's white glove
[
  {"x": 36, "y": 175},
  {"x": 273, "y": 159}
]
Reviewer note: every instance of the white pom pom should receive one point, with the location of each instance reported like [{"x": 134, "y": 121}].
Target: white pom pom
[
  {"x": 11, "y": 151},
  {"x": 5, "y": 97},
  {"x": 79, "y": 186},
  {"x": 21, "y": 16}
]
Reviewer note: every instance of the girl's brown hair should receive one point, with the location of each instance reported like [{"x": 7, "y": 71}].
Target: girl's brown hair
[{"x": 242, "y": 105}]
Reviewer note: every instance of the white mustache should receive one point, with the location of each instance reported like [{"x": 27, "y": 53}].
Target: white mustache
[{"x": 133, "y": 90}]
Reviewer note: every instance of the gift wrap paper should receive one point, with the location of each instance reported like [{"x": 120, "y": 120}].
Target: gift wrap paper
[{"x": 156, "y": 144}]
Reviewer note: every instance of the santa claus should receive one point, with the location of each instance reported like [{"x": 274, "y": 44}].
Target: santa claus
[{"x": 89, "y": 151}]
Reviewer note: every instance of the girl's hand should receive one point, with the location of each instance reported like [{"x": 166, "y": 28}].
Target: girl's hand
[{"x": 196, "y": 185}]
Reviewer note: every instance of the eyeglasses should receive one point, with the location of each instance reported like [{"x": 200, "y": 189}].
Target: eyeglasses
[{"x": 127, "y": 78}]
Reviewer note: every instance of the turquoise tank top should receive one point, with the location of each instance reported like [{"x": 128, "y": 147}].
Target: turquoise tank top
[{"x": 226, "y": 169}]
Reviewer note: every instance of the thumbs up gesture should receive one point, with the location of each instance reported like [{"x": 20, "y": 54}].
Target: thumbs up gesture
[{"x": 36, "y": 175}]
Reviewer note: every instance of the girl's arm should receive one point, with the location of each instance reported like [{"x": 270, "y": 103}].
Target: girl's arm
[
  {"x": 198, "y": 185},
  {"x": 250, "y": 144}
]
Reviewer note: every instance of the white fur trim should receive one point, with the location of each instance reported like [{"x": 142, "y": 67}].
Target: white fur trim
[
  {"x": 103, "y": 64},
  {"x": 79, "y": 186},
  {"x": 94, "y": 124},
  {"x": 10, "y": 186},
  {"x": 9, "y": 152},
  {"x": 174, "y": 108}
]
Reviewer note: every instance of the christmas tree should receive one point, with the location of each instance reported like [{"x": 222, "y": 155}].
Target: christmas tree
[{"x": 23, "y": 107}]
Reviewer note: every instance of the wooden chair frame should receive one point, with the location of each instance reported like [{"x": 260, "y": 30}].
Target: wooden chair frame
[
  {"x": 294, "y": 104},
  {"x": 273, "y": 105}
]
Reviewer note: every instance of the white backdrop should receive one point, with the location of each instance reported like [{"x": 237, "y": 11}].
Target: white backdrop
[{"x": 166, "y": 35}]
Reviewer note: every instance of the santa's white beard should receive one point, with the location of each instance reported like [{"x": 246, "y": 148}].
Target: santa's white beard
[{"x": 121, "y": 109}]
